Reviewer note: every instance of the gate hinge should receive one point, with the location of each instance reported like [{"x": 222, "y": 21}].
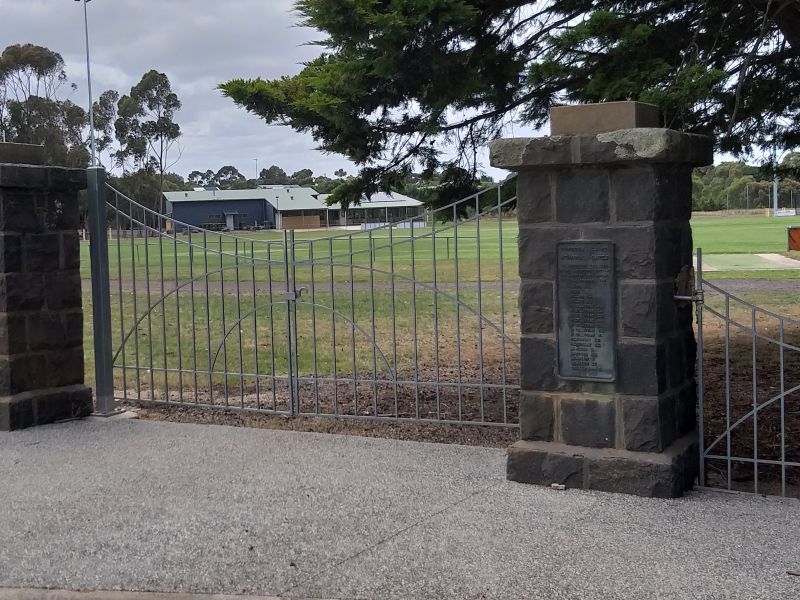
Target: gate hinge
[
  {"x": 698, "y": 297},
  {"x": 685, "y": 290}
]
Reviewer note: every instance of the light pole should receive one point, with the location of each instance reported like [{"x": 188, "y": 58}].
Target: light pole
[
  {"x": 257, "y": 173},
  {"x": 89, "y": 78}
]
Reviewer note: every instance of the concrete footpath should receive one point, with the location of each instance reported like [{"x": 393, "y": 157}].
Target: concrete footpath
[{"x": 160, "y": 507}]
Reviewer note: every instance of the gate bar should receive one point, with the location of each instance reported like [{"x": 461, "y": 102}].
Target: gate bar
[
  {"x": 105, "y": 405},
  {"x": 701, "y": 479}
]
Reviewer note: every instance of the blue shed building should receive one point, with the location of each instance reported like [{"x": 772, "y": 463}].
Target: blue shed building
[{"x": 281, "y": 207}]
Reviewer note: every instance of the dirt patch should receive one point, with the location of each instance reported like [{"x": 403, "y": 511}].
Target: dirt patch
[
  {"x": 468, "y": 435},
  {"x": 748, "y": 286}
]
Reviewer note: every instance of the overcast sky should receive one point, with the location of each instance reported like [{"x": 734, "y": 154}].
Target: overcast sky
[{"x": 198, "y": 44}]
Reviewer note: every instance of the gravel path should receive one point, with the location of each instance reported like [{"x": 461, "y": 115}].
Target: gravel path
[
  {"x": 193, "y": 508},
  {"x": 744, "y": 286}
]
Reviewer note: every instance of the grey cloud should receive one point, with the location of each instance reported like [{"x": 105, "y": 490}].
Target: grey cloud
[{"x": 199, "y": 44}]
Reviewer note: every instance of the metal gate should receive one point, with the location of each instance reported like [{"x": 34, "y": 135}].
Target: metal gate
[
  {"x": 415, "y": 320},
  {"x": 749, "y": 390}
]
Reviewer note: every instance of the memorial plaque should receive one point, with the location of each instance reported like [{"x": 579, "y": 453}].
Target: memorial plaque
[{"x": 586, "y": 311}]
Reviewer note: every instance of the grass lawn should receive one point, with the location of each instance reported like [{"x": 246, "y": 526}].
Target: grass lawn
[
  {"x": 715, "y": 235},
  {"x": 184, "y": 257},
  {"x": 746, "y": 235}
]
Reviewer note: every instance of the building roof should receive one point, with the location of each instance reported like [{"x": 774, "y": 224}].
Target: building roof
[
  {"x": 282, "y": 198},
  {"x": 382, "y": 200}
]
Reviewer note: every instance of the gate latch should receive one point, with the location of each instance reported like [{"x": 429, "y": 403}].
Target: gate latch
[
  {"x": 294, "y": 295},
  {"x": 685, "y": 290}
]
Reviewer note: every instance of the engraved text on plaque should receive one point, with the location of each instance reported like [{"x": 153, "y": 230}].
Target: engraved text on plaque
[{"x": 586, "y": 310}]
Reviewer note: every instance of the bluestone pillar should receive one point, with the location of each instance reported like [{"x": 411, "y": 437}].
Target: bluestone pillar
[
  {"x": 41, "y": 319},
  {"x": 608, "y": 354}
]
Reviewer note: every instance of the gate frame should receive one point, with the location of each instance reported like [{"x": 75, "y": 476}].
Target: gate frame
[
  {"x": 105, "y": 404},
  {"x": 292, "y": 296},
  {"x": 726, "y": 319}
]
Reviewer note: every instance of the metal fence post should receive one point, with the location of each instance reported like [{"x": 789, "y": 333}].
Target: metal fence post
[{"x": 101, "y": 295}]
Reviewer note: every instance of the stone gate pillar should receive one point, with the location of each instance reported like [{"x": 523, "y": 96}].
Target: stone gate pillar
[
  {"x": 41, "y": 319},
  {"x": 608, "y": 355}
]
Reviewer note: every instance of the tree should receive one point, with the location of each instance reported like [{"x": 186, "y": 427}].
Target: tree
[
  {"x": 273, "y": 176},
  {"x": 30, "y": 109},
  {"x": 199, "y": 179},
  {"x": 105, "y": 115},
  {"x": 455, "y": 183},
  {"x": 397, "y": 77},
  {"x": 226, "y": 177},
  {"x": 303, "y": 177},
  {"x": 146, "y": 126}
]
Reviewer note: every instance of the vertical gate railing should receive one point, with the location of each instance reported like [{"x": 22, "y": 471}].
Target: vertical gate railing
[
  {"x": 405, "y": 321},
  {"x": 748, "y": 373}
]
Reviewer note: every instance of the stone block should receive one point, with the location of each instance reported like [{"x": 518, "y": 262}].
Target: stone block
[
  {"x": 538, "y": 364},
  {"x": 578, "y": 119},
  {"x": 582, "y": 196},
  {"x": 667, "y": 416},
  {"x": 10, "y": 253},
  {"x": 666, "y": 312},
  {"x": 536, "y": 416},
  {"x": 686, "y": 409},
  {"x": 21, "y": 291},
  {"x": 681, "y": 184},
  {"x": 64, "y": 179},
  {"x": 22, "y": 373},
  {"x": 41, "y": 407},
  {"x": 648, "y": 422},
  {"x": 677, "y": 372},
  {"x": 642, "y": 193},
  {"x": 534, "y": 198},
  {"x": 13, "y": 335},
  {"x": 634, "y": 249},
  {"x": 635, "y": 193},
  {"x": 641, "y": 368},
  {"x": 74, "y": 402},
  {"x": 46, "y": 331},
  {"x": 13, "y": 153},
  {"x": 637, "y": 308},
  {"x": 670, "y": 256},
  {"x": 70, "y": 255},
  {"x": 64, "y": 290},
  {"x": 651, "y": 479},
  {"x": 521, "y": 153},
  {"x": 588, "y": 421},
  {"x": 19, "y": 211},
  {"x": 61, "y": 212},
  {"x": 41, "y": 252},
  {"x": 16, "y": 414},
  {"x": 64, "y": 367},
  {"x": 641, "y": 423},
  {"x": 690, "y": 352},
  {"x": 537, "y": 463},
  {"x": 537, "y": 251},
  {"x": 23, "y": 176},
  {"x": 536, "y": 307},
  {"x": 73, "y": 327}
]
